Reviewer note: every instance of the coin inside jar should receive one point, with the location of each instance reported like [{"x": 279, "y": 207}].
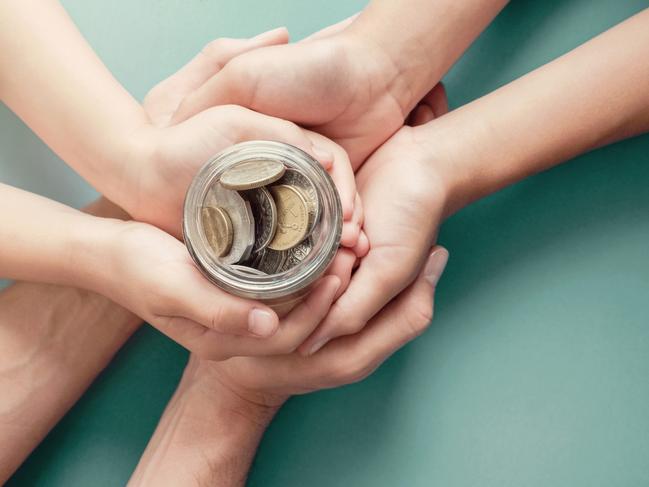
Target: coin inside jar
[
  {"x": 293, "y": 177},
  {"x": 217, "y": 227},
  {"x": 265, "y": 216},
  {"x": 292, "y": 217},
  {"x": 240, "y": 214},
  {"x": 271, "y": 261},
  {"x": 247, "y": 270},
  {"x": 252, "y": 174},
  {"x": 295, "y": 255}
]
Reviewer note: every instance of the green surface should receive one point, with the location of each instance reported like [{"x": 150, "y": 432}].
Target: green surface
[{"x": 535, "y": 371}]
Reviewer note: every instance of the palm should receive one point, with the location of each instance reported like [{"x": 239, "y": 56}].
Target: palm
[{"x": 404, "y": 207}]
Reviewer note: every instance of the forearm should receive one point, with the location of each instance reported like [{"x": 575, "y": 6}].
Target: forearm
[
  {"x": 423, "y": 38},
  {"x": 206, "y": 436},
  {"x": 592, "y": 96},
  {"x": 45, "y": 241},
  {"x": 54, "y": 341},
  {"x": 52, "y": 79}
]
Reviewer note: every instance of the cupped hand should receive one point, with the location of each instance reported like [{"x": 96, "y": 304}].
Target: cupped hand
[
  {"x": 168, "y": 155},
  {"x": 334, "y": 83},
  {"x": 151, "y": 273},
  {"x": 267, "y": 381},
  {"x": 405, "y": 198}
]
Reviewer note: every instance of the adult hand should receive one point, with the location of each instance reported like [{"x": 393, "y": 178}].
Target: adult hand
[
  {"x": 336, "y": 83},
  {"x": 405, "y": 198},
  {"x": 211, "y": 427}
]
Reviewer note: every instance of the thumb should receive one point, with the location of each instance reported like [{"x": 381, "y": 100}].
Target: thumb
[
  {"x": 407, "y": 316},
  {"x": 217, "y": 310}
]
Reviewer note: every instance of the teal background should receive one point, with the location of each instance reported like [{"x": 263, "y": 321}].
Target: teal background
[{"x": 535, "y": 370}]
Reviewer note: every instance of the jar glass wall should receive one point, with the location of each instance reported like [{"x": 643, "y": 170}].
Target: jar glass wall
[{"x": 300, "y": 265}]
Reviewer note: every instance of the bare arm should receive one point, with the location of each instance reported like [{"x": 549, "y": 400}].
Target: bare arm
[
  {"x": 54, "y": 340},
  {"x": 52, "y": 79},
  {"x": 594, "y": 95},
  {"x": 353, "y": 83},
  {"x": 423, "y": 38}
]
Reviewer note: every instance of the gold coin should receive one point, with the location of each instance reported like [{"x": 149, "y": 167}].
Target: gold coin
[
  {"x": 217, "y": 227},
  {"x": 252, "y": 174},
  {"x": 292, "y": 217}
]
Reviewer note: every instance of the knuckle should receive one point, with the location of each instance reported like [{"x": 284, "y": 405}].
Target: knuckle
[
  {"x": 349, "y": 370},
  {"x": 217, "y": 318},
  {"x": 211, "y": 354},
  {"x": 418, "y": 318},
  {"x": 216, "y": 49}
]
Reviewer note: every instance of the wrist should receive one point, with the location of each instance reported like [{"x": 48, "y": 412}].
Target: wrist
[
  {"x": 405, "y": 75},
  {"x": 443, "y": 148},
  {"x": 91, "y": 253},
  {"x": 139, "y": 149},
  {"x": 206, "y": 434}
]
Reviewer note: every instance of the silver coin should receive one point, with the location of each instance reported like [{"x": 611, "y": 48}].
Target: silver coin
[
  {"x": 264, "y": 211},
  {"x": 293, "y": 177},
  {"x": 247, "y": 270},
  {"x": 271, "y": 261},
  {"x": 296, "y": 255},
  {"x": 243, "y": 226},
  {"x": 252, "y": 174},
  {"x": 251, "y": 234}
]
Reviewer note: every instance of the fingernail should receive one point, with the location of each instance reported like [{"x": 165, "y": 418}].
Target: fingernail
[
  {"x": 318, "y": 345},
  {"x": 261, "y": 323},
  {"x": 268, "y": 33},
  {"x": 322, "y": 154},
  {"x": 435, "y": 266}
]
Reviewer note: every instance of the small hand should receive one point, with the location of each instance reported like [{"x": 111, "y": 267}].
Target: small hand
[
  {"x": 151, "y": 273},
  {"x": 168, "y": 156}
]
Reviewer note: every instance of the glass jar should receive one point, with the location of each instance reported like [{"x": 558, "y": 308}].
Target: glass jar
[{"x": 287, "y": 287}]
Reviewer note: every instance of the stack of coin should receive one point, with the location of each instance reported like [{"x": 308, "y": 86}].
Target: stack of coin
[{"x": 260, "y": 216}]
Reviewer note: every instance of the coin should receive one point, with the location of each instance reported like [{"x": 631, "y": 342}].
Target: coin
[
  {"x": 293, "y": 177},
  {"x": 252, "y": 174},
  {"x": 217, "y": 227},
  {"x": 265, "y": 215},
  {"x": 271, "y": 261},
  {"x": 250, "y": 244},
  {"x": 296, "y": 255},
  {"x": 292, "y": 217},
  {"x": 247, "y": 270},
  {"x": 243, "y": 226}
]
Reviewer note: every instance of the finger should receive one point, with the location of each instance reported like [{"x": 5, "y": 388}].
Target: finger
[
  {"x": 420, "y": 115},
  {"x": 352, "y": 358},
  {"x": 437, "y": 100},
  {"x": 331, "y": 30},
  {"x": 163, "y": 100},
  {"x": 340, "y": 171},
  {"x": 200, "y": 301},
  {"x": 294, "y": 328},
  {"x": 240, "y": 124},
  {"x": 433, "y": 105},
  {"x": 341, "y": 267},
  {"x": 382, "y": 274},
  {"x": 350, "y": 234},
  {"x": 362, "y": 247},
  {"x": 352, "y": 230}
]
